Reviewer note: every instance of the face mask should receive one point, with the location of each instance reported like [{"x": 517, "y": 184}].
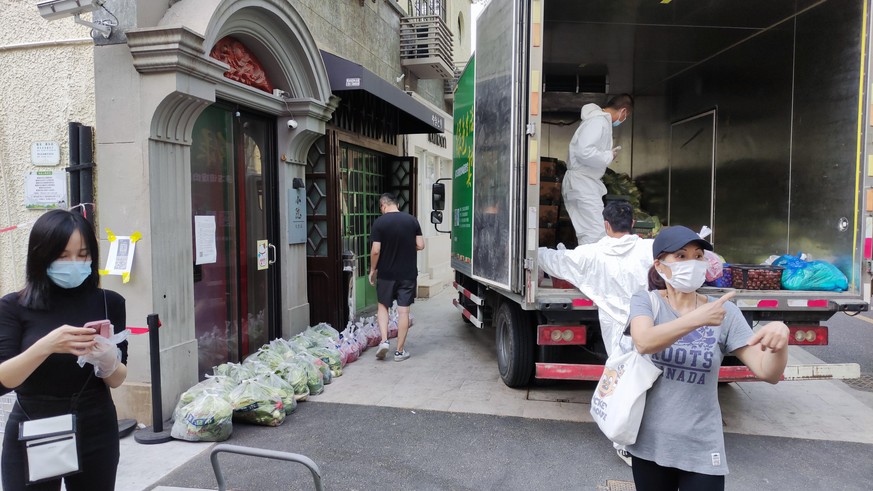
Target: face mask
[
  {"x": 618, "y": 122},
  {"x": 687, "y": 277},
  {"x": 69, "y": 274}
]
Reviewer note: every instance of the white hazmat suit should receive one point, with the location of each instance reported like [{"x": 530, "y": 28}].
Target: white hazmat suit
[
  {"x": 608, "y": 272},
  {"x": 590, "y": 154}
]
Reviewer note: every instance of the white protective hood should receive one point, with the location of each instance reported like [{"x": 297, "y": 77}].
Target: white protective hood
[
  {"x": 591, "y": 147},
  {"x": 608, "y": 272}
]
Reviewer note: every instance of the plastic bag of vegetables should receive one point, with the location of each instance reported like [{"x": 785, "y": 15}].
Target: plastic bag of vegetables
[
  {"x": 295, "y": 374},
  {"x": 371, "y": 330},
  {"x": 326, "y": 330},
  {"x": 326, "y": 376},
  {"x": 269, "y": 357},
  {"x": 314, "y": 378},
  {"x": 350, "y": 348},
  {"x": 285, "y": 390},
  {"x": 360, "y": 337},
  {"x": 218, "y": 385},
  {"x": 331, "y": 356},
  {"x": 281, "y": 347},
  {"x": 255, "y": 403},
  {"x": 207, "y": 418},
  {"x": 233, "y": 371},
  {"x": 392, "y": 328}
]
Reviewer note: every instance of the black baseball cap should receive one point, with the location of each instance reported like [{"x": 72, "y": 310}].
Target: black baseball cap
[{"x": 671, "y": 239}]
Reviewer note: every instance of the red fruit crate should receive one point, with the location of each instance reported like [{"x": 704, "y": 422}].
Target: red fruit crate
[{"x": 756, "y": 277}]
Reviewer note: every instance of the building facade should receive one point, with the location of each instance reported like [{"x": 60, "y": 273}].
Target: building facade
[{"x": 246, "y": 142}]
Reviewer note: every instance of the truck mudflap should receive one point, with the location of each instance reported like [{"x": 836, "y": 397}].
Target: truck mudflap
[
  {"x": 466, "y": 313},
  {"x": 830, "y": 371},
  {"x": 473, "y": 318}
]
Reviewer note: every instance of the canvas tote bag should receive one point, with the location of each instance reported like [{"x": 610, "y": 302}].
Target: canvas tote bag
[{"x": 618, "y": 403}]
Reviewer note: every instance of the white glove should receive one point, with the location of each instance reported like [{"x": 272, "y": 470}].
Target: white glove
[{"x": 105, "y": 357}]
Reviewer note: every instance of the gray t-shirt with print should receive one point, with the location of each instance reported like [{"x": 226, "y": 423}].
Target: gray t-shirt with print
[{"x": 682, "y": 424}]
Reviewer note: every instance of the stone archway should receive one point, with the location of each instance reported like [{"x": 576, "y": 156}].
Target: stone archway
[{"x": 178, "y": 80}]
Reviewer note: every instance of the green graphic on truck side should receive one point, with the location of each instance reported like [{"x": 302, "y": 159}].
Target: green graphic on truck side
[{"x": 462, "y": 180}]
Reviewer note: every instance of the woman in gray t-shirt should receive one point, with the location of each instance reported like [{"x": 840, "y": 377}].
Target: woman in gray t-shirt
[{"x": 680, "y": 443}]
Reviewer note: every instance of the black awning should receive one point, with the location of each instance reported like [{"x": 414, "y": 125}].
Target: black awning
[{"x": 415, "y": 117}]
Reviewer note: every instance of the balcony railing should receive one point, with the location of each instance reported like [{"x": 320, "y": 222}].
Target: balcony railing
[
  {"x": 422, "y": 8},
  {"x": 450, "y": 84},
  {"x": 426, "y": 47}
]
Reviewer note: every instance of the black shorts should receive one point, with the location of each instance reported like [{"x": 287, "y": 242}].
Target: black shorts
[{"x": 387, "y": 291}]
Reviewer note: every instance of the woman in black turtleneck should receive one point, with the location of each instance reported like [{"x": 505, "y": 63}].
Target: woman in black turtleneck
[{"x": 41, "y": 339}]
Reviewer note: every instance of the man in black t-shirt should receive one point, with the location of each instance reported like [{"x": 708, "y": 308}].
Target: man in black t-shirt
[{"x": 396, "y": 239}]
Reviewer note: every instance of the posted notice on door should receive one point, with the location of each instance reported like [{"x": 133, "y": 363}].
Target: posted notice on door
[{"x": 204, "y": 239}]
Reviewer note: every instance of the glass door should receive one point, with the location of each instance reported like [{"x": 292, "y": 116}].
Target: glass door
[{"x": 234, "y": 207}]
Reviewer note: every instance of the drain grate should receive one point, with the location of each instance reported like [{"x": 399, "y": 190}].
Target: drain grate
[
  {"x": 864, "y": 382},
  {"x": 613, "y": 485}
]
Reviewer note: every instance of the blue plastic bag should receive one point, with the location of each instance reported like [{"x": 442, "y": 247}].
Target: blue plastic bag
[{"x": 811, "y": 275}]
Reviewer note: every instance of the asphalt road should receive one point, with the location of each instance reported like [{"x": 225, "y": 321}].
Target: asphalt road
[{"x": 368, "y": 447}]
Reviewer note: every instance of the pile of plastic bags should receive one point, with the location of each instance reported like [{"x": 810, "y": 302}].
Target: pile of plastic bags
[{"x": 268, "y": 384}]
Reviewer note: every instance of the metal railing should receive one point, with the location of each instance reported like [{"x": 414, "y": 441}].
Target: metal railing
[
  {"x": 424, "y": 8},
  {"x": 426, "y": 47},
  {"x": 260, "y": 452}
]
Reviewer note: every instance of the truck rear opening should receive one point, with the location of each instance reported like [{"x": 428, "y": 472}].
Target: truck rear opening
[{"x": 750, "y": 117}]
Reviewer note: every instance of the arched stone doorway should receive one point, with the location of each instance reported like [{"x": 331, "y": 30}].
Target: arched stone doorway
[{"x": 177, "y": 81}]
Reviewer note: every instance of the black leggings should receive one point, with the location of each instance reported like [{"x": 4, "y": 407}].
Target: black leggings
[
  {"x": 649, "y": 476},
  {"x": 97, "y": 435}
]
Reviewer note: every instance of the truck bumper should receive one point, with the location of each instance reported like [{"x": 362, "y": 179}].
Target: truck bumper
[{"x": 835, "y": 371}]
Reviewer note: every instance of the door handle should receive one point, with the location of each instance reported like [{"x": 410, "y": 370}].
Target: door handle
[{"x": 272, "y": 248}]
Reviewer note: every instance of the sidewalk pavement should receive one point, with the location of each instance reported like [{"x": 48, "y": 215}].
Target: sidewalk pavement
[{"x": 453, "y": 368}]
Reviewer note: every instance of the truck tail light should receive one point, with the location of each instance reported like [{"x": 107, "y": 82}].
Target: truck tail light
[
  {"x": 808, "y": 335},
  {"x": 558, "y": 335}
]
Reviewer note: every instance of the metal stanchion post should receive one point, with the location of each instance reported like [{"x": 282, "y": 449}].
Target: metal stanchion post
[{"x": 157, "y": 433}]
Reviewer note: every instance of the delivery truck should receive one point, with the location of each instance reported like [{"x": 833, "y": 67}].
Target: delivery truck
[{"x": 750, "y": 118}]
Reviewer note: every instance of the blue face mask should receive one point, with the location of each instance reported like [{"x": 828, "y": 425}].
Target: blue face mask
[
  {"x": 69, "y": 274},
  {"x": 618, "y": 122}
]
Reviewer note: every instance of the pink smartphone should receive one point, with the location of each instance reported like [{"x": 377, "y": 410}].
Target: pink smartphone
[{"x": 104, "y": 328}]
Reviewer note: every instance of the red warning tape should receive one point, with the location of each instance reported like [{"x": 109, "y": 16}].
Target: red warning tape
[
  {"x": 141, "y": 330},
  {"x": 20, "y": 225}
]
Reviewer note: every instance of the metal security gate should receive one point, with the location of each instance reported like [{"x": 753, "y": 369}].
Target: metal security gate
[
  {"x": 365, "y": 175},
  {"x": 343, "y": 184},
  {"x": 362, "y": 179}
]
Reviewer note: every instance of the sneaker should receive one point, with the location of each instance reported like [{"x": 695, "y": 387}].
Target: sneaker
[
  {"x": 401, "y": 355},
  {"x": 382, "y": 351},
  {"x": 623, "y": 455}
]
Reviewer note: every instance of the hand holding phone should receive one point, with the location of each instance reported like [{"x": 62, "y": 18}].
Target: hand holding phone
[{"x": 103, "y": 328}]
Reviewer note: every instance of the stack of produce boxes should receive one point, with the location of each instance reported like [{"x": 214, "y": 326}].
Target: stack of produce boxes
[{"x": 550, "y": 199}]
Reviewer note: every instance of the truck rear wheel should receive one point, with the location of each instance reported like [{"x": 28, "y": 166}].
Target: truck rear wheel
[{"x": 515, "y": 345}]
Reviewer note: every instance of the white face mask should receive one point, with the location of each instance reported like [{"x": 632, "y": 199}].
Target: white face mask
[{"x": 687, "y": 276}]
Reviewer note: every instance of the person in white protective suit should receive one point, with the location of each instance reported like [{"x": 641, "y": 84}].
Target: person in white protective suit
[
  {"x": 590, "y": 154},
  {"x": 608, "y": 272}
]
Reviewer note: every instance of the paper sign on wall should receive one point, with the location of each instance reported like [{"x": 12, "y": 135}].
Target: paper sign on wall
[
  {"x": 262, "y": 255},
  {"x": 120, "y": 258},
  {"x": 204, "y": 239},
  {"x": 45, "y": 189}
]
